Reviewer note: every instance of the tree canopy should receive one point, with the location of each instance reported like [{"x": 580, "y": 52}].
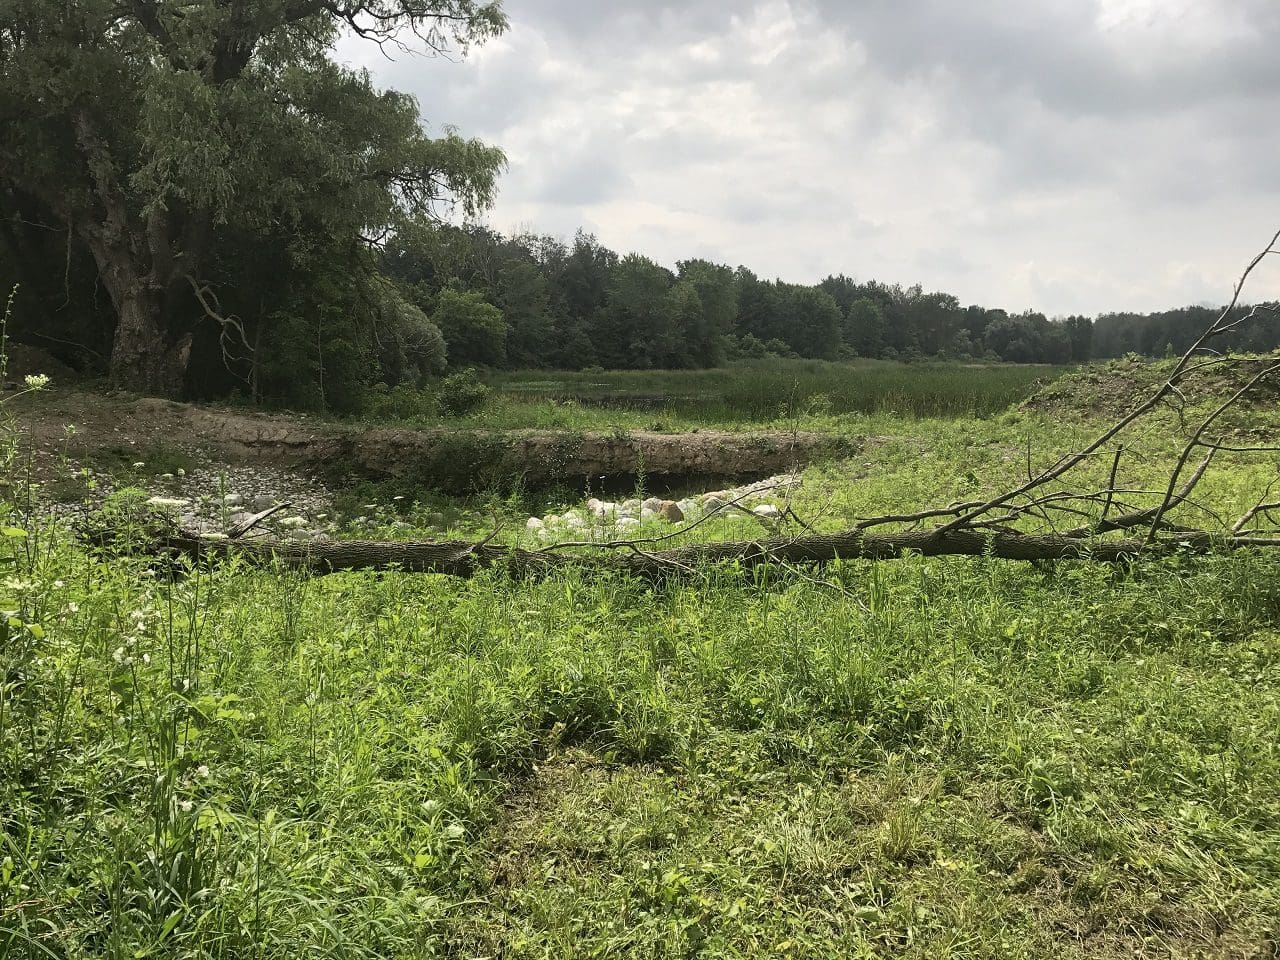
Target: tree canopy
[
  {"x": 262, "y": 218},
  {"x": 164, "y": 136}
]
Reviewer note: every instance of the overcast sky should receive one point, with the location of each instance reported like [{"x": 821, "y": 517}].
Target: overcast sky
[{"x": 1061, "y": 155}]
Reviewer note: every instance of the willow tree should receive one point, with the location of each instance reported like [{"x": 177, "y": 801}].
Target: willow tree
[{"x": 145, "y": 126}]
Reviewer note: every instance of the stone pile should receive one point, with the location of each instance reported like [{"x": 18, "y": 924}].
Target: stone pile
[{"x": 604, "y": 520}]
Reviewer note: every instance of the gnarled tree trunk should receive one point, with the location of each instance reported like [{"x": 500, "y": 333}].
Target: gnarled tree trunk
[{"x": 142, "y": 356}]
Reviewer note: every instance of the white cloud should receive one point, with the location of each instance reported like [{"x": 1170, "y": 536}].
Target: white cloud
[{"x": 1062, "y": 155}]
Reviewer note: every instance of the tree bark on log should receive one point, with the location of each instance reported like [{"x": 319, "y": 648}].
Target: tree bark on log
[{"x": 465, "y": 559}]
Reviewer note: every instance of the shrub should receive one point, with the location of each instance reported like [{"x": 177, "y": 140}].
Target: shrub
[
  {"x": 461, "y": 393},
  {"x": 401, "y": 402}
]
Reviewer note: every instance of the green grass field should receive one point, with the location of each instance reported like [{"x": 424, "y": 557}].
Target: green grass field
[
  {"x": 742, "y": 396},
  {"x": 955, "y": 757}
]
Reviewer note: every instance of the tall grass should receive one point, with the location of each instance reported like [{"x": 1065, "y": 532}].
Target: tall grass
[
  {"x": 778, "y": 389},
  {"x": 933, "y": 757}
]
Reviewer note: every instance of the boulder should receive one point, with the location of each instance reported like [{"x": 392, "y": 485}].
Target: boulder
[
  {"x": 670, "y": 511},
  {"x": 768, "y": 511}
]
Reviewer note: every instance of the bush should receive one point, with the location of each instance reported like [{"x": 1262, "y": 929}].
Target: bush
[
  {"x": 461, "y": 393},
  {"x": 400, "y": 402}
]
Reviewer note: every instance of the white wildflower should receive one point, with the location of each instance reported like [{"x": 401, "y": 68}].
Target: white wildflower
[
  {"x": 146, "y": 658},
  {"x": 37, "y": 381},
  {"x": 202, "y": 772},
  {"x": 185, "y": 805},
  {"x": 118, "y": 655}
]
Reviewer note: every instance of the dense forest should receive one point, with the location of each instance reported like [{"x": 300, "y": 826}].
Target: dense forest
[{"x": 211, "y": 204}]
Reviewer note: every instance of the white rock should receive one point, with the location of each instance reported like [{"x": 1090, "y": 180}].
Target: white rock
[
  {"x": 647, "y": 513},
  {"x": 293, "y": 523},
  {"x": 233, "y": 499},
  {"x": 653, "y": 503},
  {"x": 627, "y": 523},
  {"x": 533, "y": 523},
  {"x": 767, "y": 510}
]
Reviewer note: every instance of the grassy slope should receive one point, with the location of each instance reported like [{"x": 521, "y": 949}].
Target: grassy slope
[{"x": 925, "y": 758}]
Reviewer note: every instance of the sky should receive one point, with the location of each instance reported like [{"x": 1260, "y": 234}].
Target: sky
[{"x": 1067, "y": 156}]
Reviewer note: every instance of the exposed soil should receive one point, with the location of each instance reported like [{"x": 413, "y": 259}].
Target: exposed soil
[
  {"x": 454, "y": 461},
  {"x": 1108, "y": 391}
]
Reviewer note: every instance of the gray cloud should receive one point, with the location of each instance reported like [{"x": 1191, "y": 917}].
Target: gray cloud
[{"x": 1063, "y": 155}]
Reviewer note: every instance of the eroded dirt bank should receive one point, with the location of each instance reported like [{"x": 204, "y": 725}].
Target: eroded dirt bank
[{"x": 450, "y": 460}]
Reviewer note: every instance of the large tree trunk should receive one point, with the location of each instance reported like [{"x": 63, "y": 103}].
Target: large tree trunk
[
  {"x": 143, "y": 357},
  {"x": 462, "y": 559},
  {"x": 136, "y": 266}
]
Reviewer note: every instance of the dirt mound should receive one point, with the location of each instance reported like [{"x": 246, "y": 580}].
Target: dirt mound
[
  {"x": 26, "y": 360},
  {"x": 454, "y": 461},
  {"x": 1111, "y": 389}
]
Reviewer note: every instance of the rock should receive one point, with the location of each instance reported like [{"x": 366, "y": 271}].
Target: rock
[
  {"x": 234, "y": 500},
  {"x": 647, "y": 513},
  {"x": 712, "y": 503},
  {"x": 262, "y": 502},
  {"x": 670, "y": 511},
  {"x": 627, "y": 523},
  {"x": 293, "y": 523},
  {"x": 534, "y": 523},
  {"x": 601, "y": 509},
  {"x": 653, "y": 504},
  {"x": 768, "y": 511}
]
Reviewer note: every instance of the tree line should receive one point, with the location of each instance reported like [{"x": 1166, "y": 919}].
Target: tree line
[{"x": 196, "y": 199}]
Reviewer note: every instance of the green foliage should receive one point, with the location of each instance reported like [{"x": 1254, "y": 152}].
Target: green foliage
[
  {"x": 168, "y": 140},
  {"x": 461, "y": 393},
  {"x": 919, "y": 757},
  {"x": 764, "y": 391},
  {"x": 401, "y": 403},
  {"x": 474, "y": 330}
]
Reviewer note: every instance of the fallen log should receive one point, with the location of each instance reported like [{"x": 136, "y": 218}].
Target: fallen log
[{"x": 465, "y": 559}]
